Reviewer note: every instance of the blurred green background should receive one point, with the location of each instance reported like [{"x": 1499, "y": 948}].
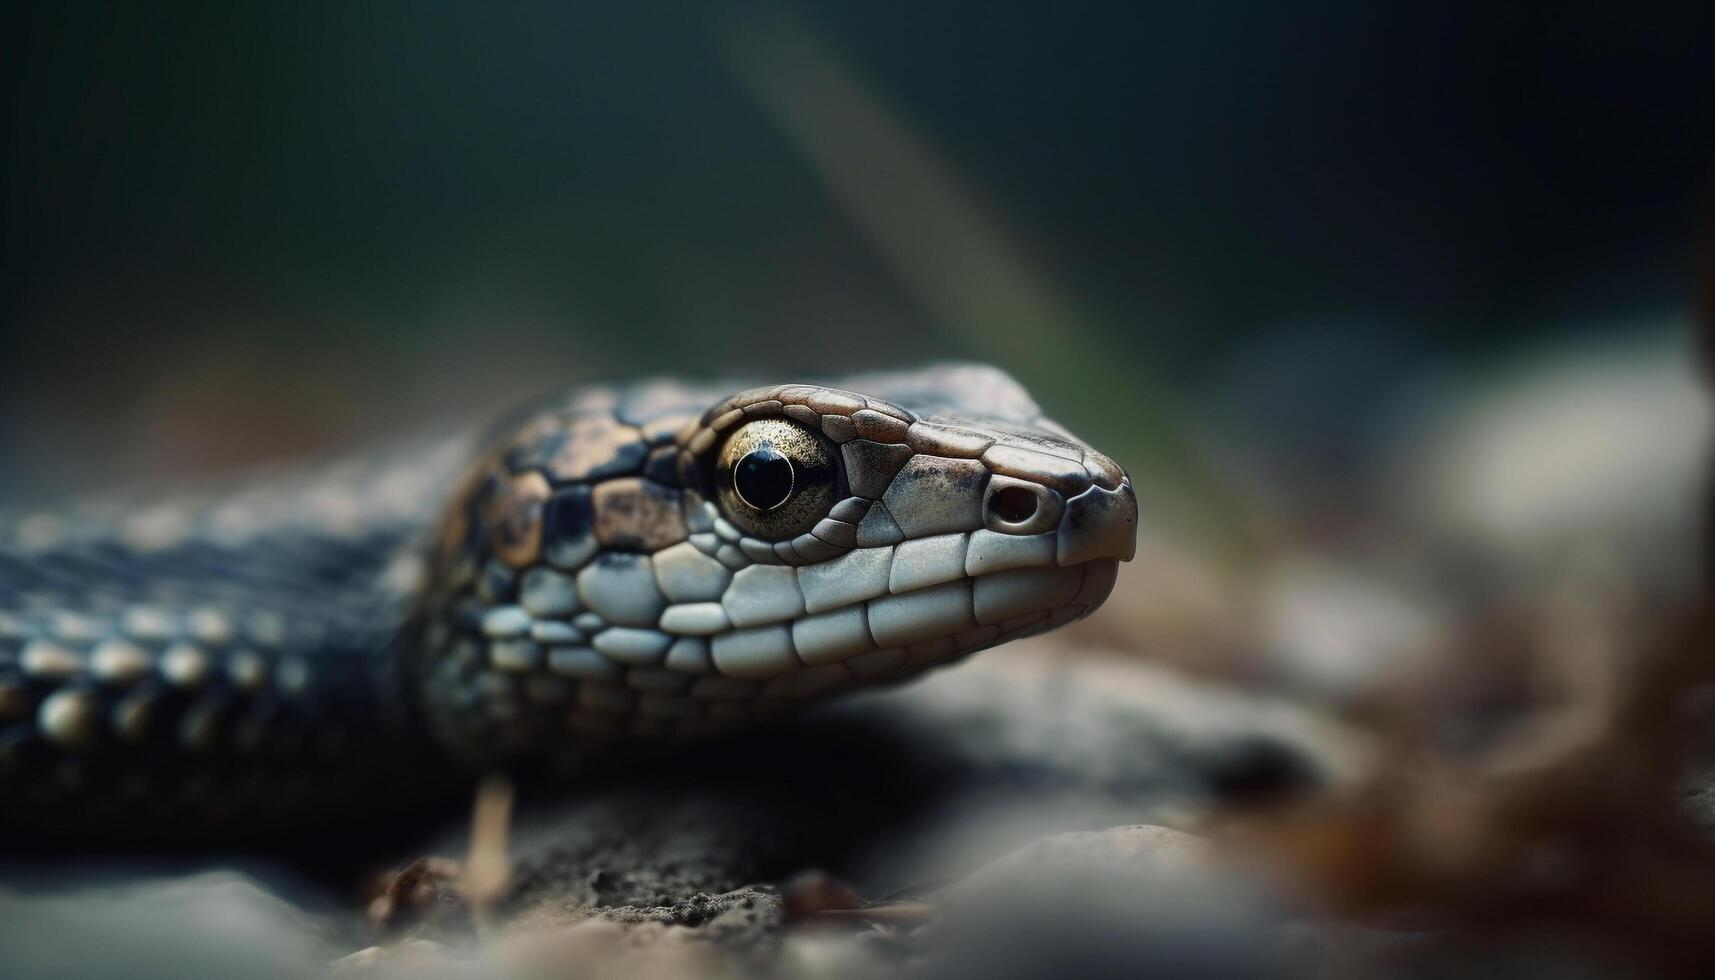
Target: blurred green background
[{"x": 233, "y": 232}]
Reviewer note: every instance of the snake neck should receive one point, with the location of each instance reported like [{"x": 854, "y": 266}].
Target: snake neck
[{"x": 225, "y": 659}]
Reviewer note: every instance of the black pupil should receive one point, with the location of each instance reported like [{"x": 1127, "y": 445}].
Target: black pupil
[{"x": 763, "y": 478}]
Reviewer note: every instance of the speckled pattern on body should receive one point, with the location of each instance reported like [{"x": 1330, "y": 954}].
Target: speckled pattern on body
[{"x": 582, "y": 581}]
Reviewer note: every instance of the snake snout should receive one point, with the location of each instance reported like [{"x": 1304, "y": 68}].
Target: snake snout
[
  {"x": 1082, "y": 510},
  {"x": 1099, "y": 523},
  {"x": 1096, "y": 523}
]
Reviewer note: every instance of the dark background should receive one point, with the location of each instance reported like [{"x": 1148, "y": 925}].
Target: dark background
[{"x": 237, "y": 231}]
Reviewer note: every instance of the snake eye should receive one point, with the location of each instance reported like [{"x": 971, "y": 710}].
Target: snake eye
[
  {"x": 775, "y": 478},
  {"x": 763, "y": 478}
]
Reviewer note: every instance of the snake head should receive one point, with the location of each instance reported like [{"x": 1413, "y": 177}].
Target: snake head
[
  {"x": 937, "y": 514},
  {"x": 662, "y": 560}
]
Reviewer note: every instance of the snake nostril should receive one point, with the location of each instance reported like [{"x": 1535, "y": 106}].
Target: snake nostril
[{"x": 1013, "y": 505}]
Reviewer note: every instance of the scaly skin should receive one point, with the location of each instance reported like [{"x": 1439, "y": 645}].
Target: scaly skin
[{"x": 588, "y": 580}]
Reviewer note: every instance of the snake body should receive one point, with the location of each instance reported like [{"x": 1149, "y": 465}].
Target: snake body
[{"x": 609, "y": 570}]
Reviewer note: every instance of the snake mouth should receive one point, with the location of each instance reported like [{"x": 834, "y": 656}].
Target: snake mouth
[
  {"x": 877, "y": 611},
  {"x": 846, "y": 638},
  {"x": 1045, "y": 552}
]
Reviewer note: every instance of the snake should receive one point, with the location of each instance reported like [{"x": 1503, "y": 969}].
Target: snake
[{"x": 606, "y": 573}]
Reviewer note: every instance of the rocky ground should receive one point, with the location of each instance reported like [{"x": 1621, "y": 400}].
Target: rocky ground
[
  {"x": 1451, "y": 710},
  {"x": 836, "y": 843}
]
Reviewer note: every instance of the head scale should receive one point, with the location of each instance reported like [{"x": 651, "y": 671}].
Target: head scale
[{"x": 664, "y": 561}]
